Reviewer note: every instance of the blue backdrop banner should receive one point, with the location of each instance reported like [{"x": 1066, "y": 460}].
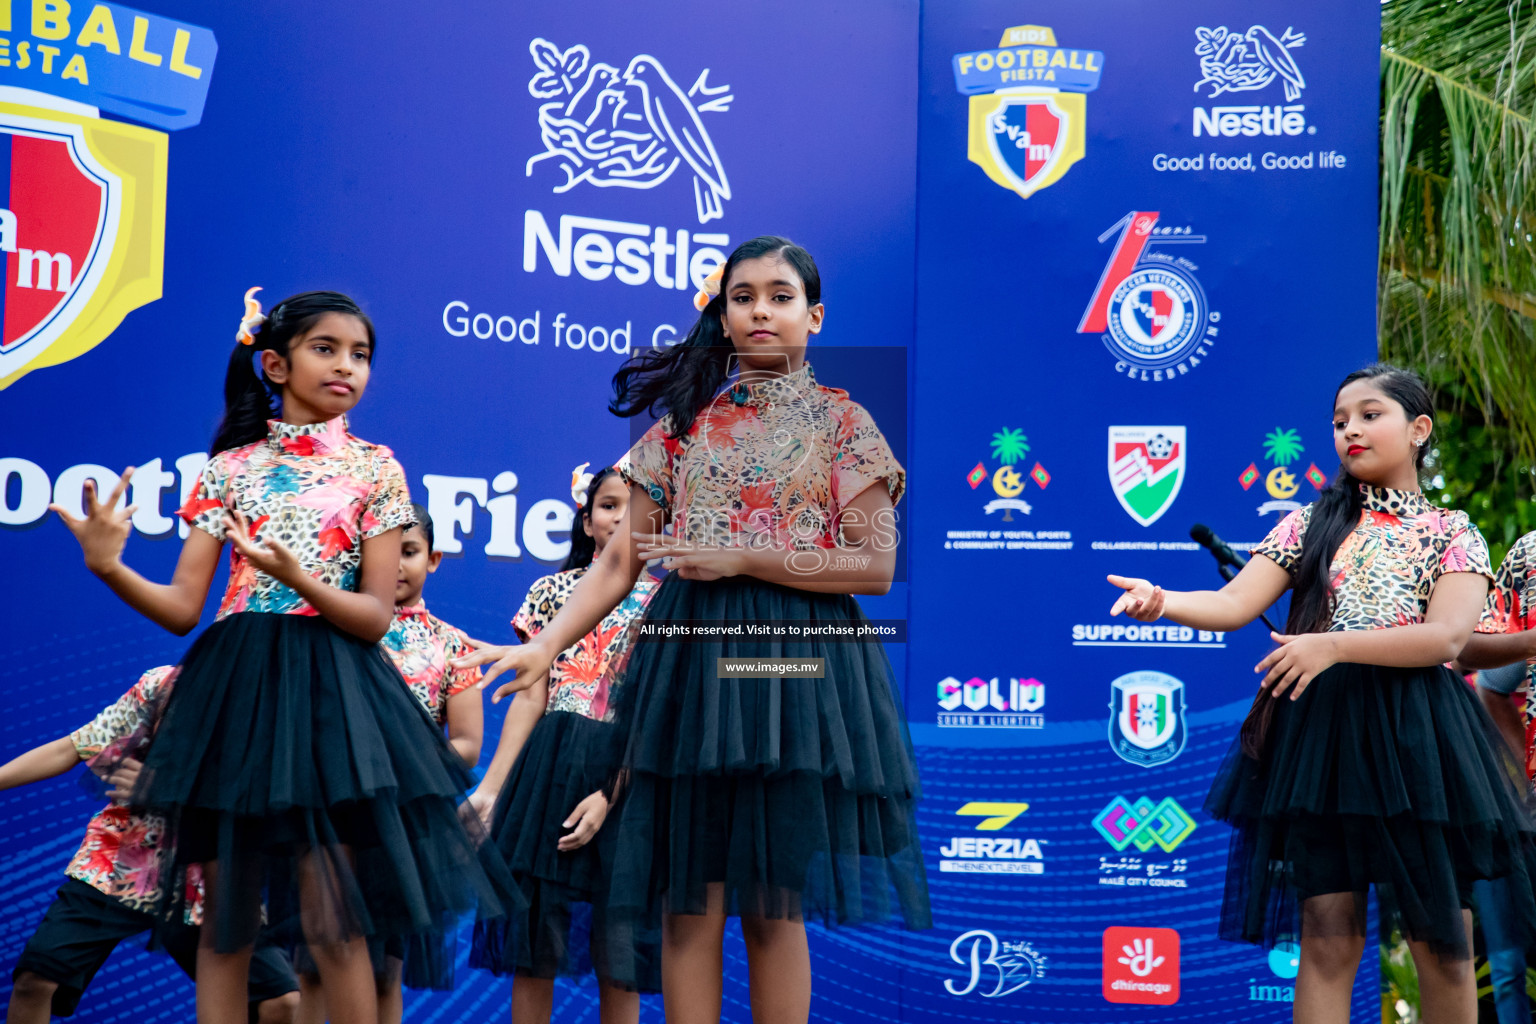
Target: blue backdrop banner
[{"x": 1055, "y": 241}]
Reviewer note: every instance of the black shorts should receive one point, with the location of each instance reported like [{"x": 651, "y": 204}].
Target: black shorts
[{"x": 82, "y": 927}]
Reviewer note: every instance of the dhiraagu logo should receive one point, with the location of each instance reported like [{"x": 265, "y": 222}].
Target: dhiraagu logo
[
  {"x": 82, "y": 195},
  {"x": 1028, "y": 106}
]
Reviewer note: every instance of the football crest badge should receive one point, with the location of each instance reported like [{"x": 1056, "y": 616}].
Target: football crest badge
[
  {"x": 1146, "y": 718},
  {"x": 1028, "y": 106},
  {"x": 1146, "y": 469},
  {"x": 82, "y": 193}
]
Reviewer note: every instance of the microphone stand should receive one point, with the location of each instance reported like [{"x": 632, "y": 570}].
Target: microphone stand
[{"x": 1228, "y": 573}]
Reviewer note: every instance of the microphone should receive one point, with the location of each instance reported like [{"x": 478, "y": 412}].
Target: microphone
[{"x": 1224, "y": 555}]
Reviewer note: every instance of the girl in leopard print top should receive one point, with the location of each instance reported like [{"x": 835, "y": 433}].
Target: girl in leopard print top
[
  {"x": 1366, "y": 761},
  {"x": 292, "y": 761}
]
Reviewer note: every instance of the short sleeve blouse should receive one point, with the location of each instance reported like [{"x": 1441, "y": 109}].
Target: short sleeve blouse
[
  {"x": 782, "y": 457},
  {"x": 316, "y": 488},
  {"x": 1385, "y": 571}
]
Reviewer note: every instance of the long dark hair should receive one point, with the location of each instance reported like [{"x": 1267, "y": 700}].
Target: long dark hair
[
  {"x": 249, "y": 398},
  {"x": 1337, "y": 510},
  {"x": 683, "y": 379},
  {"x": 583, "y": 545}
]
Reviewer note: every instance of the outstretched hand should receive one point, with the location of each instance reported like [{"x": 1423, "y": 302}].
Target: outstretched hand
[
  {"x": 270, "y": 556},
  {"x": 528, "y": 664},
  {"x": 1141, "y": 600},
  {"x": 103, "y": 530},
  {"x": 1296, "y": 662}
]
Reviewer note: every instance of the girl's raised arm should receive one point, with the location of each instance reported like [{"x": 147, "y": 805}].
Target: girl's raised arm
[
  {"x": 1255, "y": 588},
  {"x": 103, "y": 533}
]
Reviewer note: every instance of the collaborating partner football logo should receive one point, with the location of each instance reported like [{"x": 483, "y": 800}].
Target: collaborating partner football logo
[
  {"x": 629, "y": 128},
  {"x": 1148, "y": 305},
  {"x": 1028, "y": 106},
  {"x": 1146, "y": 718},
  {"x": 1146, "y": 469}
]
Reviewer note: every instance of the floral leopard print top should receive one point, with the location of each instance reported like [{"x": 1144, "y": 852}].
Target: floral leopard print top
[
  {"x": 1385, "y": 571},
  {"x": 316, "y": 488}
]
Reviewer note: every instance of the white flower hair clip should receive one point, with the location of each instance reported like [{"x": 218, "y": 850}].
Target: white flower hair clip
[
  {"x": 580, "y": 481},
  {"x": 252, "y": 321}
]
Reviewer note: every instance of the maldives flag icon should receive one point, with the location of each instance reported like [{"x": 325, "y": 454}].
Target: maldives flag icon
[{"x": 82, "y": 231}]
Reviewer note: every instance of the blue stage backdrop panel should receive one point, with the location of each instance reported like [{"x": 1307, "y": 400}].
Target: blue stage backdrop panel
[
  {"x": 1119, "y": 212},
  {"x": 1118, "y": 206}
]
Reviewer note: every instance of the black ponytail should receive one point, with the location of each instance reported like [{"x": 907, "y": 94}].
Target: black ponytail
[
  {"x": 249, "y": 398},
  {"x": 1336, "y": 512},
  {"x": 584, "y": 545},
  {"x": 683, "y": 379}
]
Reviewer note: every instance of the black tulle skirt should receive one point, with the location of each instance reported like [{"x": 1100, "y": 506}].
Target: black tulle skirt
[
  {"x": 1385, "y": 777},
  {"x": 565, "y": 929},
  {"x": 293, "y": 759},
  {"x": 791, "y": 798}
]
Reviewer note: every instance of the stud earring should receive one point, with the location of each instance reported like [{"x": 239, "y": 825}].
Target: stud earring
[{"x": 1418, "y": 442}]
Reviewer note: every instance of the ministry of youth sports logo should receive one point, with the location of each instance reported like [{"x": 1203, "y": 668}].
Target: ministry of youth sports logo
[
  {"x": 629, "y": 128},
  {"x": 1148, "y": 305},
  {"x": 1146, "y": 718}
]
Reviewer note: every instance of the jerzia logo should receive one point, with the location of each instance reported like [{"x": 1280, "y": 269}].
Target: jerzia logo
[
  {"x": 82, "y": 197},
  {"x": 989, "y": 855},
  {"x": 1146, "y": 718},
  {"x": 630, "y": 128},
  {"x": 1148, "y": 305},
  {"x": 1027, "y": 106},
  {"x": 1249, "y": 62}
]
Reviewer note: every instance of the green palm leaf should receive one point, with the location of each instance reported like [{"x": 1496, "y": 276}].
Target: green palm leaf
[
  {"x": 1282, "y": 447},
  {"x": 1009, "y": 446}
]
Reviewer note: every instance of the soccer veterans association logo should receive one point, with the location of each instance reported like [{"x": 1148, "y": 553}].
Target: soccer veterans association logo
[
  {"x": 1028, "y": 106},
  {"x": 1148, "y": 304},
  {"x": 82, "y": 196},
  {"x": 1146, "y": 718},
  {"x": 1146, "y": 469}
]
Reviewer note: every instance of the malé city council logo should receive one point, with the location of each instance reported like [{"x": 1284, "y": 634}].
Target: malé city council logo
[
  {"x": 629, "y": 128},
  {"x": 1146, "y": 718},
  {"x": 82, "y": 197},
  {"x": 1028, "y": 106}
]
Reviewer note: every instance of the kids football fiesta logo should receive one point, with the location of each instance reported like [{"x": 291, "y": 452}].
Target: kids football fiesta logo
[
  {"x": 1028, "y": 106},
  {"x": 1148, "y": 304},
  {"x": 82, "y": 197}
]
